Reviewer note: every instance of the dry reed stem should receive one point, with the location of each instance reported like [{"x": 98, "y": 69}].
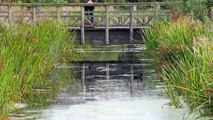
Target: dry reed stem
[
  {"x": 1, "y": 64},
  {"x": 6, "y": 118},
  {"x": 209, "y": 92}
]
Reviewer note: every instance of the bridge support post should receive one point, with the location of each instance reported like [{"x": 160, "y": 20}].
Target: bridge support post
[
  {"x": 131, "y": 25},
  {"x": 82, "y": 25},
  {"x": 107, "y": 25}
]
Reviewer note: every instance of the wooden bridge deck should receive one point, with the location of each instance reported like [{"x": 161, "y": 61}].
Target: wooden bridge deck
[{"x": 106, "y": 15}]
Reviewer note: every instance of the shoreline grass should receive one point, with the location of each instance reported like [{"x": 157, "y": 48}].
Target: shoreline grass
[
  {"x": 27, "y": 57},
  {"x": 183, "y": 53}
]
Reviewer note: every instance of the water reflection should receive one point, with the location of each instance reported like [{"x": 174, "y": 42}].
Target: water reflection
[
  {"x": 99, "y": 81},
  {"x": 104, "y": 91}
]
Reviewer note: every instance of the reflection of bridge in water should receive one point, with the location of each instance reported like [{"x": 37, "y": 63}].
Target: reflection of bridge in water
[
  {"x": 107, "y": 16},
  {"x": 108, "y": 80}
]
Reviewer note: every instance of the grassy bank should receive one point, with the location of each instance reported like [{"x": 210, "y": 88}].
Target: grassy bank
[
  {"x": 27, "y": 57},
  {"x": 183, "y": 53}
]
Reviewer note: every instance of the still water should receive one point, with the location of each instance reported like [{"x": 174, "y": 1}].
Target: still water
[{"x": 105, "y": 91}]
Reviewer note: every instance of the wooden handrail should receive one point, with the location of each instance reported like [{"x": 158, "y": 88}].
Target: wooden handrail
[
  {"x": 84, "y": 4},
  {"x": 132, "y": 18}
]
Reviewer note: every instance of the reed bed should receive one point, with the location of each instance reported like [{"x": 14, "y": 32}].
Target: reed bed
[
  {"x": 27, "y": 57},
  {"x": 183, "y": 53}
]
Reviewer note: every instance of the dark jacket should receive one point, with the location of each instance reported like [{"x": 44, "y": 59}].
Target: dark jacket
[{"x": 88, "y": 0}]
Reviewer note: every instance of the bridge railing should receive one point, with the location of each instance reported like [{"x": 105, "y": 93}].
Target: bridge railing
[
  {"x": 106, "y": 15},
  {"x": 70, "y": 15}
]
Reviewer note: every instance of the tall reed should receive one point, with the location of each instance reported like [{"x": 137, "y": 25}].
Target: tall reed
[
  {"x": 27, "y": 56},
  {"x": 191, "y": 76},
  {"x": 183, "y": 53}
]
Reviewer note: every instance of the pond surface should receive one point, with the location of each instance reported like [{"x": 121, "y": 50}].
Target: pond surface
[{"x": 106, "y": 91}]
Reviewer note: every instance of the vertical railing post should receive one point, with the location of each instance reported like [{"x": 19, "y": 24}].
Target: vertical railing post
[
  {"x": 156, "y": 11},
  {"x": 34, "y": 16},
  {"x": 82, "y": 25},
  {"x": 9, "y": 16},
  {"x": 58, "y": 15},
  {"x": 107, "y": 25},
  {"x": 131, "y": 25},
  {"x": 135, "y": 13}
]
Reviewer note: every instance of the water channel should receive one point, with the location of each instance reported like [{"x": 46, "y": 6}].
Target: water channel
[{"x": 102, "y": 90}]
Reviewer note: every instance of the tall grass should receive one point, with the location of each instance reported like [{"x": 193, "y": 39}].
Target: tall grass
[
  {"x": 43, "y": 98},
  {"x": 27, "y": 56},
  {"x": 183, "y": 53},
  {"x": 192, "y": 77}
]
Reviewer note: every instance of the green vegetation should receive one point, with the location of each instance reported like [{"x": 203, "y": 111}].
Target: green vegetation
[
  {"x": 73, "y": 1},
  {"x": 198, "y": 9},
  {"x": 27, "y": 57},
  {"x": 40, "y": 98},
  {"x": 183, "y": 53},
  {"x": 38, "y": 1}
]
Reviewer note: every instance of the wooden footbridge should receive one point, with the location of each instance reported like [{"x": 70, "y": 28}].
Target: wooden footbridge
[{"x": 107, "y": 16}]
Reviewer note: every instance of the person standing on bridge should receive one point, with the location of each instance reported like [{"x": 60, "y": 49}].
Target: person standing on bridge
[{"x": 89, "y": 12}]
